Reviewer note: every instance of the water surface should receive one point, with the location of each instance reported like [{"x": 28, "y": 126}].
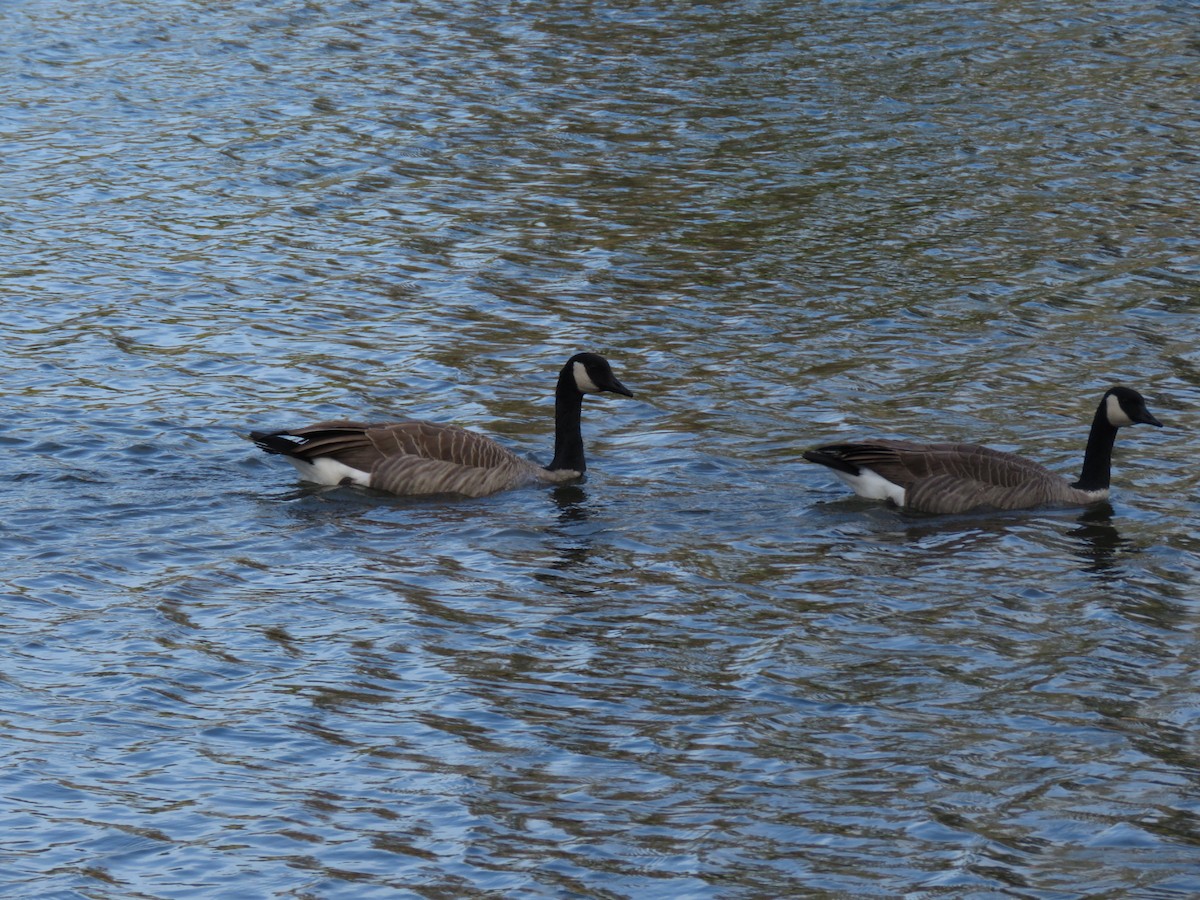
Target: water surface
[{"x": 706, "y": 671}]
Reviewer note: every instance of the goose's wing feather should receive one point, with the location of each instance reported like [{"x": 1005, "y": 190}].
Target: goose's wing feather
[
  {"x": 953, "y": 478},
  {"x": 905, "y": 462},
  {"x": 446, "y": 443},
  {"x": 362, "y": 445},
  {"x": 411, "y": 475},
  {"x": 414, "y": 457}
]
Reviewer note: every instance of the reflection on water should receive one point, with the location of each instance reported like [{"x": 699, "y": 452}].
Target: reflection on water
[
  {"x": 572, "y": 503},
  {"x": 1100, "y": 542},
  {"x": 573, "y": 543},
  {"x": 703, "y": 672},
  {"x": 1096, "y": 540}
]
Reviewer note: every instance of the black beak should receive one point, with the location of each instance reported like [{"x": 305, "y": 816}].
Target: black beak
[
  {"x": 617, "y": 388},
  {"x": 1143, "y": 417}
]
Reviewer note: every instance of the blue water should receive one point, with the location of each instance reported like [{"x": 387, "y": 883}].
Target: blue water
[{"x": 705, "y": 672}]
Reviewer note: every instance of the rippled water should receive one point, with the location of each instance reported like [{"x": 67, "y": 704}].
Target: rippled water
[{"x": 707, "y": 671}]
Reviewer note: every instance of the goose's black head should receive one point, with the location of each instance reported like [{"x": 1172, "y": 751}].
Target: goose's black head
[
  {"x": 1125, "y": 406},
  {"x": 592, "y": 374}
]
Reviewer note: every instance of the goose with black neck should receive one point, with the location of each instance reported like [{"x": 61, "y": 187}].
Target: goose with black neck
[
  {"x": 957, "y": 478},
  {"x": 411, "y": 457}
]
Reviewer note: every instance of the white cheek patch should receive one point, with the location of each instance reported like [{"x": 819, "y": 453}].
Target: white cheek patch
[
  {"x": 583, "y": 380},
  {"x": 872, "y": 486},
  {"x": 1116, "y": 415}
]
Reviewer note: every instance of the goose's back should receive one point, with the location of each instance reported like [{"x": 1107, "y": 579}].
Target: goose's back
[
  {"x": 415, "y": 457},
  {"x": 410, "y": 475},
  {"x": 956, "y": 477},
  {"x": 446, "y": 443}
]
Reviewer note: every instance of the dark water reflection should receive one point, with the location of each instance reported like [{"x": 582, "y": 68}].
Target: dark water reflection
[
  {"x": 704, "y": 672},
  {"x": 1100, "y": 543}
]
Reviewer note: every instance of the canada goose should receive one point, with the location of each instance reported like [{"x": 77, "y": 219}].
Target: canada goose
[
  {"x": 956, "y": 478},
  {"x": 414, "y": 457}
]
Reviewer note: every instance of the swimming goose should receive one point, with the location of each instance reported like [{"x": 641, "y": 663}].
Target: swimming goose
[
  {"x": 956, "y": 478},
  {"x": 414, "y": 457}
]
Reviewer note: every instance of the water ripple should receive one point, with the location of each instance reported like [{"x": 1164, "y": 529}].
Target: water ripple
[{"x": 705, "y": 672}]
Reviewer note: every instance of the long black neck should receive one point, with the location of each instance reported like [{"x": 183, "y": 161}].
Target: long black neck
[
  {"x": 568, "y": 439},
  {"x": 1097, "y": 459}
]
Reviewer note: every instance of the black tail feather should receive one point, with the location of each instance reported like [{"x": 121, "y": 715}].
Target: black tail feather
[
  {"x": 274, "y": 442},
  {"x": 823, "y": 456}
]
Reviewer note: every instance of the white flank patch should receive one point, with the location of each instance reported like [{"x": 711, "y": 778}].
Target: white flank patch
[
  {"x": 329, "y": 471},
  {"x": 872, "y": 485},
  {"x": 583, "y": 380},
  {"x": 1116, "y": 415}
]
